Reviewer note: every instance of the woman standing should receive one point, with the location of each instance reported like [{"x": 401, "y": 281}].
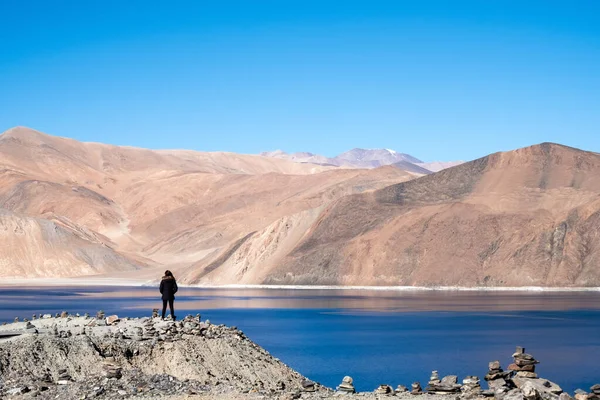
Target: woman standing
[{"x": 168, "y": 288}]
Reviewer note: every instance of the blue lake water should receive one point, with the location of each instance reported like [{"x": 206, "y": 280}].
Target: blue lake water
[{"x": 374, "y": 336}]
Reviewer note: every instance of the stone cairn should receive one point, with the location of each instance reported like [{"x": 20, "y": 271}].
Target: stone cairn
[
  {"x": 384, "y": 389},
  {"x": 496, "y": 378},
  {"x": 471, "y": 386},
  {"x": 448, "y": 384},
  {"x": 416, "y": 388},
  {"x": 401, "y": 389},
  {"x": 346, "y": 386},
  {"x": 155, "y": 313},
  {"x": 524, "y": 364},
  {"x": 100, "y": 315},
  {"x": 595, "y": 395}
]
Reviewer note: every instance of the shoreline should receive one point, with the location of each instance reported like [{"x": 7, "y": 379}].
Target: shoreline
[{"x": 115, "y": 282}]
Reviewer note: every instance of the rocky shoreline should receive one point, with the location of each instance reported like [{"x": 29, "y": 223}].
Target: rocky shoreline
[{"x": 65, "y": 356}]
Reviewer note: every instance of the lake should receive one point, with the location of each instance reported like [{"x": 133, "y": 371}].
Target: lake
[{"x": 391, "y": 337}]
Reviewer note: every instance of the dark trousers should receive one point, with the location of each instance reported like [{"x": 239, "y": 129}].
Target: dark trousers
[{"x": 170, "y": 301}]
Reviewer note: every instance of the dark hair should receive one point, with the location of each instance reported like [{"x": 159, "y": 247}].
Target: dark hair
[{"x": 168, "y": 273}]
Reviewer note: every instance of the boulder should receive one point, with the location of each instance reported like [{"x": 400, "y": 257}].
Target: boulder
[
  {"x": 527, "y": 374},
  {"x": 542, "y": 385},
  {"x": 497, "y": 383},
  {"x": 308, "y": 386},
  {"x": 449, "y": 380},
  {"x": 530, "y": 392},
  {"x": 112, "y": 319},
  {"x": 514, "y": 394}
]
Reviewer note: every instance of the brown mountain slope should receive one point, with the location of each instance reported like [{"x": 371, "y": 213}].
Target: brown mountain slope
[
  {"x": 34, "y": 247},
  {"x": 154, "y": 208},
  {"x": 522, "y": 218}
]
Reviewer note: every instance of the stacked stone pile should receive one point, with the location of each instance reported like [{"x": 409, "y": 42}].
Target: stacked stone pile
[
  {"x": 471, "y": 387},
  {"x": 347, "y": 385},
  {"x": 416, "y": 388},
  {"x": 384, "y": 389},
  {"x": 595, "y": 392},
  {"x": 448, "y": 384},
  {"x": 496, "y": 379},
  {"x": 149, "y": 330},
  {"x": 401, "y": 389},
  {"x": 524, "y": 364}
]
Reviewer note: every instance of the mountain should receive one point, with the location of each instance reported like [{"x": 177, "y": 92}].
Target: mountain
[
  {"x": 69, "y": 208},
  {"x": 373, "y": 158},
  {"x": 529, "y": 217},
  {"x": 366, "y": 158}
]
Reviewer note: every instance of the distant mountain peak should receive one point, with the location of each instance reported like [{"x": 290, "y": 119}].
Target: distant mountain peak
[{"x": 274, "y": 153}]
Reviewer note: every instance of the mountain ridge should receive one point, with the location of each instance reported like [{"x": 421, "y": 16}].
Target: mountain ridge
[
  {"x": 365, "y": 158},
  {"x": 526, "y": 217},
  {"x": 156, "y": 208}
]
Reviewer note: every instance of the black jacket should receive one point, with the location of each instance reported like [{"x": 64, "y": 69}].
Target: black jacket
[{"x": 168, "y": 287}]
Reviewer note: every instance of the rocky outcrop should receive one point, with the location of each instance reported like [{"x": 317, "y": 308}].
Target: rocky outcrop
[{"x": 70, "y": 357}]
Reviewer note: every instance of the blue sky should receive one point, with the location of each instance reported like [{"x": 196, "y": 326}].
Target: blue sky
[{"x": 440, "y": 80}]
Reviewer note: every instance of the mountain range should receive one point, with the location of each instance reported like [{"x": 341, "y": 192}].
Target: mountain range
[
  {"x": 366, "y": 158},
  {"x": 528, "y": 217}
]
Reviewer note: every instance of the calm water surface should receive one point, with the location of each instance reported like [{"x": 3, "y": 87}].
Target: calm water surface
[{"x": 374, "y": 336}]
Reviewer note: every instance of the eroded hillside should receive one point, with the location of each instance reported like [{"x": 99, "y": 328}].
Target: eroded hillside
[{"x": 72, "y": 209}]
